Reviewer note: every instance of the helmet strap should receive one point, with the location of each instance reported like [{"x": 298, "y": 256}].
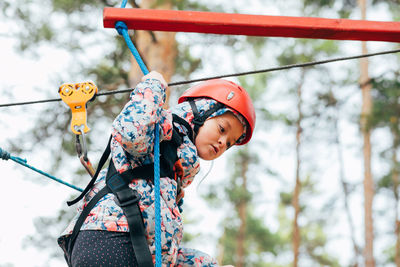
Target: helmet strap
[{"x": 198, "y": 120}]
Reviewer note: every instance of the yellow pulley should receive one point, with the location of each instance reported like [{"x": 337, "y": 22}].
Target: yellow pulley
[{"x": 76, "y": 97}]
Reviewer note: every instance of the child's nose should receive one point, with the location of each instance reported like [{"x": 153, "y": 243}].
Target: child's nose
[{"x": 222, "y": 141}]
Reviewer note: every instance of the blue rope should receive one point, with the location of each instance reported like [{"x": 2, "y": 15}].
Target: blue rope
[
  {"x": 157, "y": 195},
  {"x": 122, "y": 29},
  {"x": 6, "y": 156}
]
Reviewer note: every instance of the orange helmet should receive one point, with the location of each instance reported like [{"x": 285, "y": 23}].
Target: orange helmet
[{"x": 231, "y": 95}]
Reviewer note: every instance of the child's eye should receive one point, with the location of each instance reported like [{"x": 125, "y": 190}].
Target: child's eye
[{"x": 222, "y": 129}]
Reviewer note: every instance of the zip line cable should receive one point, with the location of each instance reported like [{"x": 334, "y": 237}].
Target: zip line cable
[{"x": 285, "y": 67}]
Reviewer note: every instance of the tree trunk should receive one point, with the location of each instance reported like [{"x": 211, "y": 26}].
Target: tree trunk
[
  {"x": 395, "y": 180},
  {"x": 158, "y": 50},
  {"x": 221, "y": 248},
  {"x": 296, "y": 195},
  {"x": 242, "y": 211},
  {"x": 368, "y": 180}
]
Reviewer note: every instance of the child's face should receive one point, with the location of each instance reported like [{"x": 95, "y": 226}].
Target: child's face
[{"x": 217, "y": 135}]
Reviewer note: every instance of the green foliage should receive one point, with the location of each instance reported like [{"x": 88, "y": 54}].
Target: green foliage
[
  {"x": 186, "y": 63},
  {"x": 386, "y": 181},
  {"x": 328, "y": 99},
  {"x": 65, "y": 6},
  {"x": 111, "y": 71},
  {"x": 313, "y": 230},
  {"x": 345, "y": 6},
  {"x": 304, "y": 50},
  {"x": 276, "y": 117},
  {"x": 386, "y": 109},
  {"x": 319, "y": 3},
  {"x": 45, "y": 26},
  {"x": 263, "y": 239},
  {"x": 396, "y": 2},
  {"x": 255, "y": 85},
  {"x": 72, "y": 6},
  {"x": 235, "y": 191},
  {"x": 286, "y": 198},
  {"x": 260, "y": 241},
  {"x": 213, "y": 196},
  {"x": 314, "y": 238},
  {"x": 190, "y": 5},
  {"x": 390, "y": 253}
]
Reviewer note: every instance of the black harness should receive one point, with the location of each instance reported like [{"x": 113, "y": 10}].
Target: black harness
[{"x": 128, "y": 198}]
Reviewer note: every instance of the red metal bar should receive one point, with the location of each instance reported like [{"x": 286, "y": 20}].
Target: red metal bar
[{"x": 254, "y": 25}]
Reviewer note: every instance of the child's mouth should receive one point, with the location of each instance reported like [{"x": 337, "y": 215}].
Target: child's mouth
[{"x": 215, "y": 149}]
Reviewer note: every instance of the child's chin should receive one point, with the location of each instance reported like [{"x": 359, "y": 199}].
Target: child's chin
[{"x": 207, "y": 157}]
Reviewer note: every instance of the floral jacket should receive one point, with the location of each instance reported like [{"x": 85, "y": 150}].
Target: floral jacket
[{"x": 131, "y": 146}]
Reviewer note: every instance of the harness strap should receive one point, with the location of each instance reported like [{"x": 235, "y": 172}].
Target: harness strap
[
  {"x": 185, "y": 124},
  {"x": 199, "y": 120},
  {"x": 103, "y": 160},
  {"x": 82, "y": 219},
  {"x": 128, "y": 199}
]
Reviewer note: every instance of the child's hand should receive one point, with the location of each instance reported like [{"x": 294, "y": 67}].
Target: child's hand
[{"x": 155, "y": 75}]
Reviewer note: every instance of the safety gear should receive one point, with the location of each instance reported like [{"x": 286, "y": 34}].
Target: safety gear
[
  {"x": 128, "y": 198},
  {"x": 228, "y": 93}
]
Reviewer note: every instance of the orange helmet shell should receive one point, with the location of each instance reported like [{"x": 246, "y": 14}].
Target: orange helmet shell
[{"x": 231, "y": 95}]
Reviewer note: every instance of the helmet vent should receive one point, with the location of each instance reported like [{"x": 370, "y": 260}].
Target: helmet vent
[{"x": 230, "y": 95}]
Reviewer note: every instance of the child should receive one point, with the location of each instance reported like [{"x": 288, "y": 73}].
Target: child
[{"x": 217, "y": 114}]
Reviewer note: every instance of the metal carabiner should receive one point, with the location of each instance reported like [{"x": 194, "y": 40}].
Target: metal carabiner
[
  {"x": 79, "y": 150},
  {"x": 82, "y": 152}
]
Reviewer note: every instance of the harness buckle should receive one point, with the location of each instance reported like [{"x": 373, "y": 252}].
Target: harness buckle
[
  {"x": 127, "y": 197},
  {"x": 198, "y": 121},
  {"x": 115, "y": 182}
]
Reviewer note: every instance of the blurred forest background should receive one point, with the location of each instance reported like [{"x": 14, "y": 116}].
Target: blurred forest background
[{"x": 317, "y": 186}]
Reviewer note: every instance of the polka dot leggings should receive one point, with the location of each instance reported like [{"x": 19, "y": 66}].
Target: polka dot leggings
[{"x": 102, "y": 249}]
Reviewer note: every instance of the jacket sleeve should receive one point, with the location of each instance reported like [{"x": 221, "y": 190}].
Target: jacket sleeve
[
  {"x": 133, "y": 128},
  {"x": 188, "y": 257}
]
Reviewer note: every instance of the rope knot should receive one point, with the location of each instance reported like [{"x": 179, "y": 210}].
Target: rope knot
[
  {"x": 4, "y": 154},
  {"x": 120, "y": 26}
]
